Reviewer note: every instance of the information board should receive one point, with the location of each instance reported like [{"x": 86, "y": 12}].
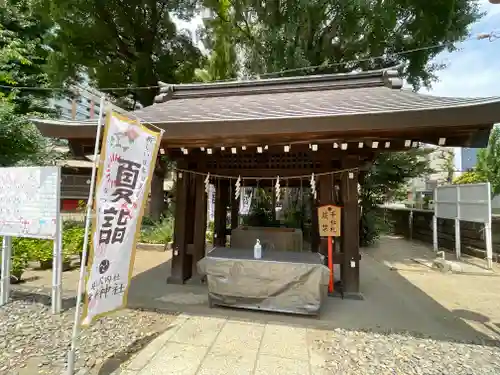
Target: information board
[
  {"x": 468, "y": 202},
  {"x": 329, "y": 221},
  {"x": 29, "y": 201}
]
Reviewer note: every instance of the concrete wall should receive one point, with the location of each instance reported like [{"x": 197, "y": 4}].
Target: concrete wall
[{"x": 472, "y": 234}]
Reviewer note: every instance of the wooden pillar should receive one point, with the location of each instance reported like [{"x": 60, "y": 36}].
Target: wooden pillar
[
  {"x": 181, "y": 260},
  {"x": 190, "y": 211},
  {"x": 325, "y": 197},
  {"x": 350, "y": 229},
  {"x": 315, "y": 240},
  {"x": 200, "y": 221},
  {"x": 157, "y": 196},
  {"x": 221, "y": 202},
  {"x": 235, "y": 211}
]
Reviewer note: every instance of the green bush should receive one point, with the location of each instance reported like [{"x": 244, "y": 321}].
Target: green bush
[
  {"x": 147, "y": 221},
  {"x": 20, "y": 256},
  {"x": 371, "y": 226},
  {"x": 72, "y": 241},
  {"x": 209, "y": 234},
  {"x": 158, "y": 233}
]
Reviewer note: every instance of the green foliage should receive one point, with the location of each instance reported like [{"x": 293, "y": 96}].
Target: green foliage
[
  {"x": 72, "y": 241},
  {"x": 147, "y": 221},
  {"x": 261, "y": 210},
  {"x": 470, "y": 177},
  {"x": 386, "y": 180},
  {"x": 209, "y": 234},
  {"x": 21, "y": 144},
  {"x": 158, "y": 233},
  {"x": 488, "y": 162},
  {"x": 294, "y": 217},
  {"x": 122, "y": 43},
  {"x": 218, "y": 38},
  {"x": 20, "y": 256},
  {"x": 290, "y": 34},
  {"x": 23, "y": 54},
  {"x": 40, "y": 250}
]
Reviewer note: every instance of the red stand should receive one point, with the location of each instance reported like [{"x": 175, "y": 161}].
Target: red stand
[{"x": 330, "y": 263}]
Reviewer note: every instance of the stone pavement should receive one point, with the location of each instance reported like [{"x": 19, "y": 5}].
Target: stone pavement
[
  {"x": 195, "y": 345},
  {"x": 208, "y": 345}
]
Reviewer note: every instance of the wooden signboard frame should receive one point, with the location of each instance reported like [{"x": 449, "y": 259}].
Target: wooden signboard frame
[{"x": 329, "y": 220}]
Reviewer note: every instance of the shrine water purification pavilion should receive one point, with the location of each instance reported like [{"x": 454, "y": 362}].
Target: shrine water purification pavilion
[{"x": 287, "y": 127}]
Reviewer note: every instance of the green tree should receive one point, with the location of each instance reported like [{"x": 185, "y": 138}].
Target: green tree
[
  {"x": 289, "y": 34},
  {"x": 387, "y": 181},
  {"x": 21, "y": 144},
  {"x": 218, "y": 38},
  {"x": 23, "y": 55},
  {"x": 488, "y": 162},
  {"x": 121, "y": 43},
  {"x": 469, "y": 177}
]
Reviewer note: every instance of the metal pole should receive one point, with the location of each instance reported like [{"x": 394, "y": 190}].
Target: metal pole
[
  {"x": 90, "y": 201},
  {"x": 5, "y": 278},
  {"x": 457, "y": 227},
  {"x": 57, "y": 253},
  {"x": 435, "y": 222},
  {"x": 487, "y": 232}
]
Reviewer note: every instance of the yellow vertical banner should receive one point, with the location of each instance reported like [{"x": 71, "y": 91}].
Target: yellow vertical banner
[{"x": 127, "y": 160}]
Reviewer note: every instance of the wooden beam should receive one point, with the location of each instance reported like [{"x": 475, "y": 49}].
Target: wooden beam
[
  {"x": 181, "y": 260},
  {"x": 315, "y": 240},
  {"x": 157, "y": 195},
  {"x": 325, "y": 184},
  {"x": 220, "y": 214},
  {"x": 350, "y": 229},
  {"x": 235, "y": 210},
  {"x": 200, "y": 222}
]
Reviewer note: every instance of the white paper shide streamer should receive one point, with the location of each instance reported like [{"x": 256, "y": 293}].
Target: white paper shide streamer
[
  {"x": 313, "y": 187},
  {"x": 237, "y": 188},
  {"x": 207, "y": 184},
  {"x": 278, "y": 189}
]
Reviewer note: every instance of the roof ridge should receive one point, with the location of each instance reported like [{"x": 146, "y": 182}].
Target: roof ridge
[{"x": 383, "y": 77}]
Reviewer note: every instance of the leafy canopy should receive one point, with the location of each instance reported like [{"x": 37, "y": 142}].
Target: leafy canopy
[
  {"x": 289, "y": 34},
  {"x": 23, "y": 55},
  {"x": 120, "y": 43},
  {"x": 488, "y": 165},
  {"x": 469, "y": 177},
  {"x": 488, "y": 162},
  {"x": 21, "y": 144}
]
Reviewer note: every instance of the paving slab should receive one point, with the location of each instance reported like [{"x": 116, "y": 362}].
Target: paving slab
[
  {"x": 176, "y": 359},
  {"x": 285, "y": 342},
  {"x": 225, "y": 364}
]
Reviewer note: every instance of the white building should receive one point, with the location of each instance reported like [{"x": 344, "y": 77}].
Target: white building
[{"x": 441, "y": 160}]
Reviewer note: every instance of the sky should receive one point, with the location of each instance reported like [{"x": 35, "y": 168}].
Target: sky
[{"x": 472, "y": 71}]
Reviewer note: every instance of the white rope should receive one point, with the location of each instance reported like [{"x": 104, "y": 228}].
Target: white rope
[{"x": 267, "y": 178}]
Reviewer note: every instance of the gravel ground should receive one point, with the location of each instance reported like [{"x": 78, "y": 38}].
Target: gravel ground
[
  {"x": 33, "y": 341},
  {"x": 365, "y": 353}
]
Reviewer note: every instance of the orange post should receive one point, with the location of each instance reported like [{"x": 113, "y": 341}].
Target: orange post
[{"x": 330, "y": 262}]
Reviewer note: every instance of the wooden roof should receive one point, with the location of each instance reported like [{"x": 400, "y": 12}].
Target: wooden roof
[{"x": 322, "y": 108}]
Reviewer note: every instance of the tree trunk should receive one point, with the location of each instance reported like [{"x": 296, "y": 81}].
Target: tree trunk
[{"x": 156, "y": 202}]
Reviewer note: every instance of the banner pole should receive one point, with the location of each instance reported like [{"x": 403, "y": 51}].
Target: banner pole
[{"x": 88, "y": 217}]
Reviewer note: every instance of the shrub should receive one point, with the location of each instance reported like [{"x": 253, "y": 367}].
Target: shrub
[
  {"x": 158, "y": 233},
  {"x": 209, "y": 234},
  {"x": 72, "y": 241},
  {"x": 20, "y": 257}
]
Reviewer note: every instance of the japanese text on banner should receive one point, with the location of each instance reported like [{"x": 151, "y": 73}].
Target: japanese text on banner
[{"x": 128, "y": 156}]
